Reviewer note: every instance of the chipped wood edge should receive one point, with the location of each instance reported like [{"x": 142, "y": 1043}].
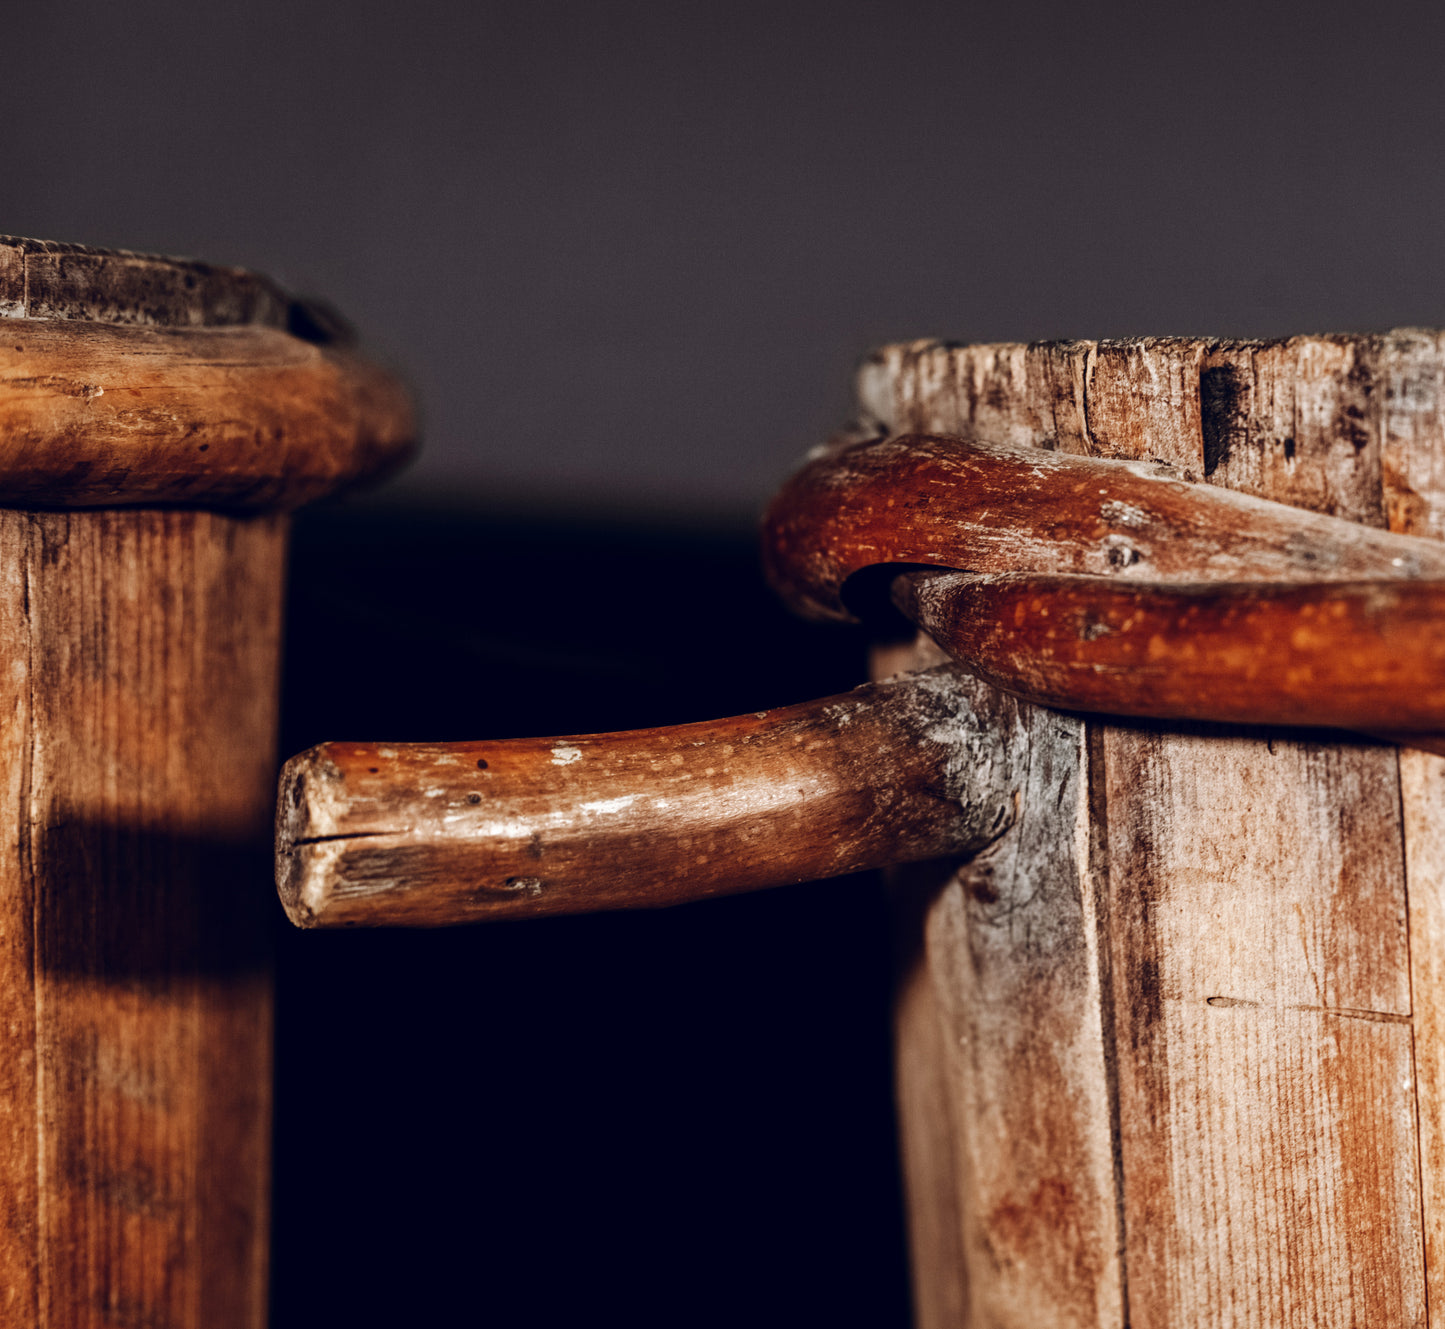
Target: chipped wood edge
[{"x": 52, "y": 280}]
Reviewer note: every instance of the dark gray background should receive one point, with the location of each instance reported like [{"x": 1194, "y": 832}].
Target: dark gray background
[{"x": 629, "y": 253}]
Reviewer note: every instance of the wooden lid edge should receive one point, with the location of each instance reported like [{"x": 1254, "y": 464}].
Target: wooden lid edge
[{"x": 245, "y": 418}]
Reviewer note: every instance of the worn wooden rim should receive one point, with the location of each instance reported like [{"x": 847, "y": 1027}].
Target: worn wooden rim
[
  {"x": 128, "y": 379},
  {"x": 53, "y": 279}
]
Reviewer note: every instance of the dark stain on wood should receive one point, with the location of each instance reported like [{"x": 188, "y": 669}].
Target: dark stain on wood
[{"x": 1223, "y": 412}]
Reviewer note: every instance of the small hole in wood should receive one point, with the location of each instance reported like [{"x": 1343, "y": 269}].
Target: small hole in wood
[
  {"x": 481, "y": 764},
  {"x": 205, "y": 447},
  {"x": 474, "y": 798},
  {"x": 374, "y": 769}
]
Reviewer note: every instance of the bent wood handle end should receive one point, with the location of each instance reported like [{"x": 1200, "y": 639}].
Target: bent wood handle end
[{"x": 431, "y": 834}]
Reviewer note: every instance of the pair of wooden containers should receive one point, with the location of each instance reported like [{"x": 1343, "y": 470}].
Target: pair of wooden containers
[{"x": 1169, "y": 1026}]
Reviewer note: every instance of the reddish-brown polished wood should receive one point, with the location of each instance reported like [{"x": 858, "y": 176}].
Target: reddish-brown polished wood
[
  {"x": 1118, "y": 587},
  {"x": 430, "y": 834},
  {"x": 1348, "y": 655},
  {"x": 996, "y": 508}
]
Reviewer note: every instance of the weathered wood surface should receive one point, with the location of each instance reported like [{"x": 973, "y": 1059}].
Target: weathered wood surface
[
  {"x": 1412, "y": 463},
  {"x": 1243, "y": 915},
  {"x": 53, "y": 280},
  {"x": 137, "y": 750},
  {"x": 137, "y": 729},
  {"x": 430, "y": 834},
  {"x": 1000, "y": 1033}
]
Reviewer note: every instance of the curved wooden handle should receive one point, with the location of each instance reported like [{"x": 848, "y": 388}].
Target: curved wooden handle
[
  {"x": 1079, "y": 583},
  {"x": 1116, "y": 587},
  {"x": 995, "y": 509},
  {"x": 1368, "y": 656},
  {"x": 429, "y": 834}
]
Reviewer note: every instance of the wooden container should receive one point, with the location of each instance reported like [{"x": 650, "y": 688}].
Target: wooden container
[
  {"x": 158, "y": 419},
  {"x": 1171, "y": 1052}
]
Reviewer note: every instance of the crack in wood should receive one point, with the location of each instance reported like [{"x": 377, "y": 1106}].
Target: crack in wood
[
  {"x": 342, "y": 835},
  {"x": 1345, "y": 1012}
]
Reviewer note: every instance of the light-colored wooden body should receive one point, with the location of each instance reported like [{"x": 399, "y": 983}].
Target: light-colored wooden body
[
  {"x": 138, "y": 673},
  {"x": 1172, "y": 1051}
]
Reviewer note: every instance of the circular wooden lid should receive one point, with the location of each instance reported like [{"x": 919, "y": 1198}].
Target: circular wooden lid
[{"x": 130, "y": 379}]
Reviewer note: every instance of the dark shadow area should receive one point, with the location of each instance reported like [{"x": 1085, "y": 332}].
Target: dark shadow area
[
  {"x": 123, "y": 908},
  {"x": 678, "y": 1118}
]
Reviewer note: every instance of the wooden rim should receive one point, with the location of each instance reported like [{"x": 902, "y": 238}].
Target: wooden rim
[
  {"x": 128, "y": 379},
  {"x": 51, "y": 279}
]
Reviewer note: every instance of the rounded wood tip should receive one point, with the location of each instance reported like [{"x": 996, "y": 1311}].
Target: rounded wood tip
[{"x": 302, "y": 858}]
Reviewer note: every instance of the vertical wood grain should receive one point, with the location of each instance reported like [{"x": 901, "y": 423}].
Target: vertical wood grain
[
  {"x": 1002, "y": 1079},
  {"x": 1422, "y": 793},
  {"x": 19, "y": 1142},
  {"x": 1257, "y": 923},
  {"x": 1003, "y": 1084},
  {"x": 928, "y": 1068},
  {"x": 1012, "y": 949},
  {"x": 1413, "y": 467},
  {"x": 143, "y": 645},
  {"x": 1262, "y": 1005}
]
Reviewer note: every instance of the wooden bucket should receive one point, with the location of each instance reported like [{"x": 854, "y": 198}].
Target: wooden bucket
[
  {"x": 1171, "y": 1052},
  {"x": 158, "y": 419}
]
